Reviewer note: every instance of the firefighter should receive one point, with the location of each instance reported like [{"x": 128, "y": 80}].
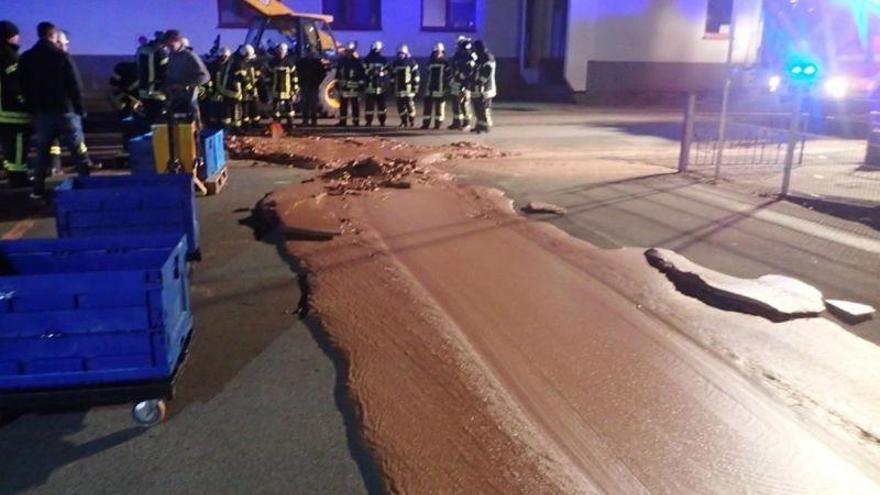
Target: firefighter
[
  {"x": 252, "y": 89},
  {"x": 231, "y": 87},
  {"x": 15, "y": 123},
  {"x": 124, "y": 90},
  {"x": 351, "y": 78},
  {"x": 462, "y": 66},
  {"x": 152, "y": 66},
  {"x": 311, "y": 71},
  {"x": 436, "y": 88},
  {"x": 376, "y": 67},
  {"x": 405, "y": 72},
  {"x": 284, "y": 84},
  {"x": 483, "y": 87},
  {"x": 216, "y": 109}
]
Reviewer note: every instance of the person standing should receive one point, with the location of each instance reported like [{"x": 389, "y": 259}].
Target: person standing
[
  {"x": 463, "y": 66},
  {"x": 284, "y": 84},
  {"x": 405, "y": 72},
  {"x": 186, "y": 73},
  {"x": 251, "y": 90},
  {"x": 232, "y": 87},
  {"x": 152, "y": 65},
  {"x": 53, "y": 96},
  {"x": 484, "y": 87},
  {"x": 436, "y": 88},
  {"x": 376, "y": 69},
  {"x": 311, "y": 72},
  {"x": 217, "y": 68},
  {"x": 15, "y": 123},
  {"x": 351, "y": 77}
]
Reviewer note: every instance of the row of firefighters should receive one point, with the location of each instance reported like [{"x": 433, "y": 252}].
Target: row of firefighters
[{"x": 242, "y": 84}]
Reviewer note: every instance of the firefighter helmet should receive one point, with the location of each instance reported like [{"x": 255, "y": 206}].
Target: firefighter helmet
[
  {"x": 439, "y": 47},
  {"x": 247, "y": 51},
  {"x": 403, "y": 50},
  {"x": 377, "y": 46}
]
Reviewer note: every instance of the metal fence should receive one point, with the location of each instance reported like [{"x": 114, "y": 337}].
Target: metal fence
[{"x": 805, "y": 156}]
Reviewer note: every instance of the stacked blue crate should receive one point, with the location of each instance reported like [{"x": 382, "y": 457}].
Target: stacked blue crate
[
  {"x": 92, "y": 311},
  {"x": 214, "y": 151},
  {"x": 127, "y": 205}
]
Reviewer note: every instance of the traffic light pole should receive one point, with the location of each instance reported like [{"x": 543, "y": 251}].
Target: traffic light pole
[{"x": 725, "y": 97}]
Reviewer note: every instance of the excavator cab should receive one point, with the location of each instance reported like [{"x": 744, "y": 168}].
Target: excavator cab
[{"x": 276, "y": 23}]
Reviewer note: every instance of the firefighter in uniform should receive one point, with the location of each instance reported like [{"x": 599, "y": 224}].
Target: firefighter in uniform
[
  {"x": 152, "y": 65},
  {"x": 350, "y": 77},
  {"x": 124, "y": 87},
  {"x": 463, "y": 65},
  {"x": 484, "y": 87},
  {"x": 376, "y": 67},
  {"x": 251, "y": 90},
  {"x": 405, "y": 73},
  {"x": 284, "y": 85},
  {"x": 232, "y": 84},
  {"x": 15, "y": 123},
  {"x": 216, "y": 109},
  {"x": 436, "y": 88}
]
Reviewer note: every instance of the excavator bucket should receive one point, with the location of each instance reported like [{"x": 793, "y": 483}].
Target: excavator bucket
[{"x": 270, "y": 8}]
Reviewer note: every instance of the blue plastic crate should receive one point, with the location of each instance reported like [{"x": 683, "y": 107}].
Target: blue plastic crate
[
  {"x": 214, "y": 150},
  {"x": 92, "y": 311},
  {"x": 140, "y": 154},
  {"x": 126, "y": 205}
]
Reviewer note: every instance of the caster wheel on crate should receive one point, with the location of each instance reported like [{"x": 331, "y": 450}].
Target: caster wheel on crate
[{"x": 149, "y": 412}]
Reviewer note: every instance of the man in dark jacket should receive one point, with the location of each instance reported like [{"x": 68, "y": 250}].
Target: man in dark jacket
[
  {"x": 463, "y": 65},
  {"x": 186, "y": 73},
  {"x": 53, "y": 96},
  {"x": 15, "y": 129},
  {"x": 311, "y": 72}
]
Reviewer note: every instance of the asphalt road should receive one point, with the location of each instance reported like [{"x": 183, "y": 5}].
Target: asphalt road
[{"x": 259, "y": 407}]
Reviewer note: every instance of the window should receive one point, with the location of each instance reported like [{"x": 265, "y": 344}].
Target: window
[
  {"x": 449, "y": 15},
  {"x": 355, "y": 15},
  {"x": 718, "y": 16},
  {"x": 235, "y": 14}
]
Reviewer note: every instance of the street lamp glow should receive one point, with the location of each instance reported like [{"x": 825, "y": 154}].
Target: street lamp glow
[
  {"x": 773, "y": 83},
  {"x": 837, "y": 87}
]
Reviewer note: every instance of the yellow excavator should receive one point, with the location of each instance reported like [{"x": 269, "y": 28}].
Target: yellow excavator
[{"x": 273, "y": 22}]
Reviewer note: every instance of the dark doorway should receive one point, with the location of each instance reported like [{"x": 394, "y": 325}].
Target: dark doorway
[{"x": 544, "y": 41}]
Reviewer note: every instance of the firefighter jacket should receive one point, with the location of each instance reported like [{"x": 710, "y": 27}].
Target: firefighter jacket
[
  {"x": 284, "y": 81},
  {"x": 217, "y": 69},
  {"x": 351, "y": 76},
  {"x": 483, "y": 84},
  {"x": 124, "y": 85},
  {"x": 50, "y": 81},
  {"x": 437, "y": 77},
  {"x": 233, "y": 79},
  {"x": 376, "y": 68},
  {"x": 463, "y": 65},
  {"x": 152, "y": 67},
  {"x": 405, "y": 74},
  {"x": 12, "y": 109},
  {"x": 252, "y": 79}
]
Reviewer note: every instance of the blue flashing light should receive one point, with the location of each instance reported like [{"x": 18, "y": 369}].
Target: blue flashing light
[
  {"x": 810, "y": 70},
  {"x": 796, "y": 70}
]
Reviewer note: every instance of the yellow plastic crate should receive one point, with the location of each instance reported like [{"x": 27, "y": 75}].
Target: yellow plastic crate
[{"x": 184, "y": 146}]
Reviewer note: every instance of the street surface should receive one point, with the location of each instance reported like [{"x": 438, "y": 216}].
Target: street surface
[{"x": 262, "y": 406}]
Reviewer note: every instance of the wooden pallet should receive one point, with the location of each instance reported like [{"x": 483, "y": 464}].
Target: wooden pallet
[{"x": 216, "y": 183}]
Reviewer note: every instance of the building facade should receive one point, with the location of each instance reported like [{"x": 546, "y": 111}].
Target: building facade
[{"x": 575, "y": 46}]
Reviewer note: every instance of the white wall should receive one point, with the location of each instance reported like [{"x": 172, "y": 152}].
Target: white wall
[
  {"x": 111, "y": 27},
  {"x": 652, "y": 31}
]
